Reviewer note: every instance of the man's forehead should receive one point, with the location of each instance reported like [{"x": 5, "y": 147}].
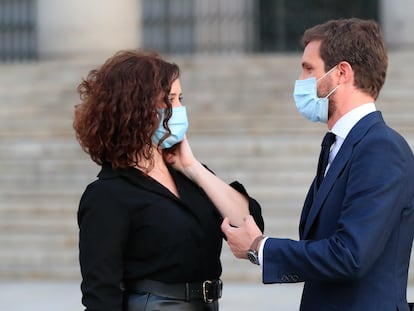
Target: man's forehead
[{"x": 311, "y": 54}]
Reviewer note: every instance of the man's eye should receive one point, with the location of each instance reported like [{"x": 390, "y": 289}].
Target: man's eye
[{"x": 180, "y": 98}]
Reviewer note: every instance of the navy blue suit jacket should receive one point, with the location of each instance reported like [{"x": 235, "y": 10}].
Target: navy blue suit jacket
[{"x": 356, "y": 232}]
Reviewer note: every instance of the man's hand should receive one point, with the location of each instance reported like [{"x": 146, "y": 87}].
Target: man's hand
[{"x": 240, "y": 239}]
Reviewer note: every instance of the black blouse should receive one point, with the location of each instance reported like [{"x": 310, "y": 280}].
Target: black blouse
[{"x": 133, "y": 228}]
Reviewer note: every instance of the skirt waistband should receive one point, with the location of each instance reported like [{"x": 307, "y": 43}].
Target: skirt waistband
[{"x": 208, "y": 291}]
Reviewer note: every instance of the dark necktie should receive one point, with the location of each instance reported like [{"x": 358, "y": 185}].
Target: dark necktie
[{"x": 327, "y": 142}]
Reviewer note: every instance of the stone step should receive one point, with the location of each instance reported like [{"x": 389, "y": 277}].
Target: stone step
[
  {"x": 250, "y": 94},
  {"x": 243, "y": 125}
]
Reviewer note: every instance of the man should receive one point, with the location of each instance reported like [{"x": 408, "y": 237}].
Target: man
[{"x": 357, "y": 224}]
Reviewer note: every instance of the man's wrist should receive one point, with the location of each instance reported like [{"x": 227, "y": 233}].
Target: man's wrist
[{"x": 253, "y": 252}]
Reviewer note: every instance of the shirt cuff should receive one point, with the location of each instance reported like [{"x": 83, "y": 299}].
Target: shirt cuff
[{"x": 261, "y": 250}]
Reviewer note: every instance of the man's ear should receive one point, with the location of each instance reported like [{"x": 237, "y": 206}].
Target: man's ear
[{"x": 345, "y": 72}]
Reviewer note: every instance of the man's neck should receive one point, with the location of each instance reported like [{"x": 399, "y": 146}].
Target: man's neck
[{"x": 341, "y": 108}]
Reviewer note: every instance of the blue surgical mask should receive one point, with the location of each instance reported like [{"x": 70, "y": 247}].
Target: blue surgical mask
[
  {"x": 307, "y": 101},
  {"x": 178, "y": 124}
]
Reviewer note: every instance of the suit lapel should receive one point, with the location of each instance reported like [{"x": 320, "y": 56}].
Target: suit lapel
[
  {"x": 320, "y": 196},
  {"x": 337, "y": 165}
]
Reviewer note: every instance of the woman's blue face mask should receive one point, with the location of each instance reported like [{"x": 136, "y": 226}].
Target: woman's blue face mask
[
  {"x": 307, "y": 101},
  {"x": 178, "y": 124}
]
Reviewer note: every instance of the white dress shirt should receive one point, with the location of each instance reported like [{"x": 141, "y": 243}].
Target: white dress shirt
[{"x": 344, "y": 125}]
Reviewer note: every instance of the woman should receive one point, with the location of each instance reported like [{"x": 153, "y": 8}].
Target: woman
[{"x": 150, "y": 235}]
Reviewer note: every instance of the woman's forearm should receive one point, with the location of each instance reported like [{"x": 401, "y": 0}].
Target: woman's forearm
[{"x": 229, "y": 202}]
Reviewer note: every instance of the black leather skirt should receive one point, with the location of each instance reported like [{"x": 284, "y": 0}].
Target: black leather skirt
[
  {"x": 150, "y": 302},
  {"x": 149, "y": 295}
]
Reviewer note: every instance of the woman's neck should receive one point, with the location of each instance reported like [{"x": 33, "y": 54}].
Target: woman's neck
[{"x": 159, "y": 171}]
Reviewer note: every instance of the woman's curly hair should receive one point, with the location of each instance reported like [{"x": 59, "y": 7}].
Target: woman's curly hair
[{"x": 119, "y": 109}]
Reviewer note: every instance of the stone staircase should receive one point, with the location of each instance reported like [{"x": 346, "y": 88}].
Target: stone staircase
[{"x": 243, "y": 125}]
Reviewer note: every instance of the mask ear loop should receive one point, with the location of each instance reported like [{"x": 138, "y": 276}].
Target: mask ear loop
[
  {"x": 335, "y": 88},
  {"x": 328, "y": 72}
]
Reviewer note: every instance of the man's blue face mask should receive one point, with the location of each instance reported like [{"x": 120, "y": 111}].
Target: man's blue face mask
[
  {"x": 178, "y": 124},
  {"x": 307, "y": 101}
]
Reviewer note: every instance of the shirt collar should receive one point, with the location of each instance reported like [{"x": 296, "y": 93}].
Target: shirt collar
[{"x": 344, "y": 125}]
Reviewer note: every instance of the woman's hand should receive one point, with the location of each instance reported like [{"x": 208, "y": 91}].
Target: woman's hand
[
  {"x": 229, "y": 202},
  {"x": 181, "y": 158}
]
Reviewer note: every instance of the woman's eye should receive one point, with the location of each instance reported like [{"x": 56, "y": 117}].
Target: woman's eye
[{"x": 180, "y": 98}]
